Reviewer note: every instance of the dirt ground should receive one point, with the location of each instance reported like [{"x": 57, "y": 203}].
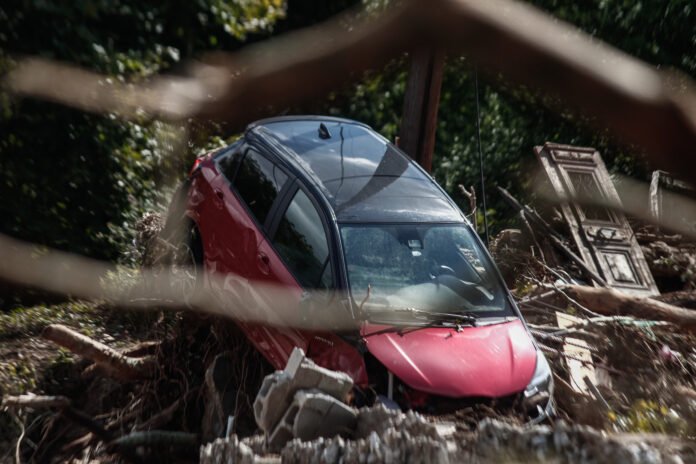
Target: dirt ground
[{"x": 647, "y": 392}]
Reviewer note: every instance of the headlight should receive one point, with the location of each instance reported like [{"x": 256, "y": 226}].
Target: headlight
[{"x": 538, "y": 396}]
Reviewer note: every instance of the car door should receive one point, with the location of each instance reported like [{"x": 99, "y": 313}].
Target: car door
[
  {"x": 603, "y": 235},
  {"x": 300, "y": 241},
  {"x": 253, "y": 187},
  {"x": 230, "y": 233}
]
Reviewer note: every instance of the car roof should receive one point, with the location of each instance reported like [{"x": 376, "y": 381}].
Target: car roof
[{"x": 363, "y": 176}]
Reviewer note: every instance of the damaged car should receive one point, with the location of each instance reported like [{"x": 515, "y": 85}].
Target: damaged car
[{"x": 325, "y": 204}]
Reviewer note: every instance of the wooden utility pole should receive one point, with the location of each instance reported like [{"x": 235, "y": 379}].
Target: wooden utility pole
[{"x": 419, "y": 119}]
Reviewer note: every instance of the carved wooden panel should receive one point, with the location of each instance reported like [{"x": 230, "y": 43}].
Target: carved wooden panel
[{"x": 602, "y": 234}]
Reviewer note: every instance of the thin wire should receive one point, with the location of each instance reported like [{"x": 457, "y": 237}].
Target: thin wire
[{"x": 478, "y": 138}]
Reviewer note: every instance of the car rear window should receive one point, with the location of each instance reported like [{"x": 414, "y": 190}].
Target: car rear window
[
  {"x": 258, "y": 182},
  {"x": 228, "y": 160}
]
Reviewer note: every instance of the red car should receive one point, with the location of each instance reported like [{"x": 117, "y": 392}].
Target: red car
[{"x": 314, "y": 202}]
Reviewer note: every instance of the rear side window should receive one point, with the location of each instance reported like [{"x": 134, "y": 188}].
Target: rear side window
[
  {"x": 228, "y": 161},
  {"x": 301, "y": 242},
  {"x": 258, "y": 182}
]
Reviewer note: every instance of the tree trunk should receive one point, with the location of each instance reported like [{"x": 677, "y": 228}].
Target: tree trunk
[{"x": 611, "y": 302}]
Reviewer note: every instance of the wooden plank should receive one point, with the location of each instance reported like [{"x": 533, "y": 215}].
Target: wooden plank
[{"x": 578, "y": 356}]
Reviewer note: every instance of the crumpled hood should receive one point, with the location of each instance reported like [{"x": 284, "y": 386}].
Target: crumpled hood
[{"x": 490, "y": 361}]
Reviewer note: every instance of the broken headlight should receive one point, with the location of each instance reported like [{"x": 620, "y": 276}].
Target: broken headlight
[{"x": 538, "y": 396}]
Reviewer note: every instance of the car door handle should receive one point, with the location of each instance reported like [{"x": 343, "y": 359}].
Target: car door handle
[
  {"x": 219, "y": 198},
  {"x": 264, "y": 263}
]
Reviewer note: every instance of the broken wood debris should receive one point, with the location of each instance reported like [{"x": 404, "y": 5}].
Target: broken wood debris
[
  {"x": 113, "y": 362},
  {"x": 611, "y": 302},
  {"x": 660, "y": 207},
  {"x": 553, "y": 236},
  {"x": 577, "y": 348},
  {"x": 35, "y": 401}
]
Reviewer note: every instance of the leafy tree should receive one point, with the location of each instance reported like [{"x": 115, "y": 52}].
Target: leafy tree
[
  {"x": 78, "y": 181},
  {"x": 514, "y": 120}
]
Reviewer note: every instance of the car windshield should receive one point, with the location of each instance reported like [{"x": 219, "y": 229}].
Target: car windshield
[{"x": 428, "y": 268}]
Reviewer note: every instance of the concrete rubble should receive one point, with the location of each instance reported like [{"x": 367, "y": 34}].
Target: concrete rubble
[
  {"x": 388, "y": 436},
  {"x": 304, "y": 401},
  {"x": 304, "y": 420}
]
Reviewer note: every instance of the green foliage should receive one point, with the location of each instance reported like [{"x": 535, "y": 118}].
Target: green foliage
[
  {"x": 660, "y": 32},
  {"x": 29, "y": 322},
  {"x": 77, "y": 181},
  {"x": 650, "y": 417},
  {"x": 513, "y": 119}
]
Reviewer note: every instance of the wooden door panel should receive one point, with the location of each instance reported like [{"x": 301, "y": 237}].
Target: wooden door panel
[{"x": 602, "y": 234}]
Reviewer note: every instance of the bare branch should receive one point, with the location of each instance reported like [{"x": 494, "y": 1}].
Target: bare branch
[
  {"x": 611, "y": 302},
  {"x": 116, "y": 363},
  {"x": 35, "y": 402}
]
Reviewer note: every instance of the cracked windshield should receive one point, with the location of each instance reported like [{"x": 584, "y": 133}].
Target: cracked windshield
[{"x": 435, "y": 268}]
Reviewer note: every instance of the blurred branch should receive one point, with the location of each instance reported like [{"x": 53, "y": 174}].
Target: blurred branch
[
  {"x": 243, "y": 300},
  {"x": 642, "y": 106},
  {"x": 635, "y": 202}
]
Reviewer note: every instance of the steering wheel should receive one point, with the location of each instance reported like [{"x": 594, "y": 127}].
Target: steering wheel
[
  {"x": 437, "y": 270},
  {"x": 470, "y": 291}
]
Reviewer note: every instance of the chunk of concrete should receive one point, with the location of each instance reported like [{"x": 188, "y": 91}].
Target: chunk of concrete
[
  {"x": 320, "y": 415},
  {"x": 311, "y": 415},
  {"x": 278, "y": 389}
]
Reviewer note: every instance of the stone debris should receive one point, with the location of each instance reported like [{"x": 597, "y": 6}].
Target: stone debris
[
  {"x": 304, "y": 420},
  {"x": 388, "y": 436},
  {"x": 290, "y": 400},
  {"x": 233, "y": 451},
  {"x": 313, "y": 414},
  {"x": 500, "y": 442}
]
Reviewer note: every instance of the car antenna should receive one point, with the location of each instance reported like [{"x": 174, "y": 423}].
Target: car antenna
[
  {"x": 478, "y": 138},
  {"x": 324, "y": 132}
]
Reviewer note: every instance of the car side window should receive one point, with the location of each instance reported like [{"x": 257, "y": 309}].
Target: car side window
[
  {"x": 258, "y": 182},
  {"x": 228, "y": 161},
  {"x": 302, "y": 244}
]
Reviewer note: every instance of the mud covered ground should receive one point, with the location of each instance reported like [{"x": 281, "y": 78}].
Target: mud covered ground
[{"x": 645, "y": 410}]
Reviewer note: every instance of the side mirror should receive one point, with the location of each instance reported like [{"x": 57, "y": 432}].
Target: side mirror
[{"x": 326, "y": 310}]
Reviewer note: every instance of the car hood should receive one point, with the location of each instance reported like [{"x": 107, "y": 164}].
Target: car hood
[{"x": 490, "y": 361}]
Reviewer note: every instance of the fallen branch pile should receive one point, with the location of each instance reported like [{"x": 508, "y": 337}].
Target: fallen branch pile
[{"x": 621, "y": 362}]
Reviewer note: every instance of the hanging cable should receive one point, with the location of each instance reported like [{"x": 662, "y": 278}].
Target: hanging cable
[{"x": 478, "y": 138}]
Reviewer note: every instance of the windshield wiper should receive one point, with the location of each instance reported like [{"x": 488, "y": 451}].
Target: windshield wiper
[{"x": 432, "y": 317}]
